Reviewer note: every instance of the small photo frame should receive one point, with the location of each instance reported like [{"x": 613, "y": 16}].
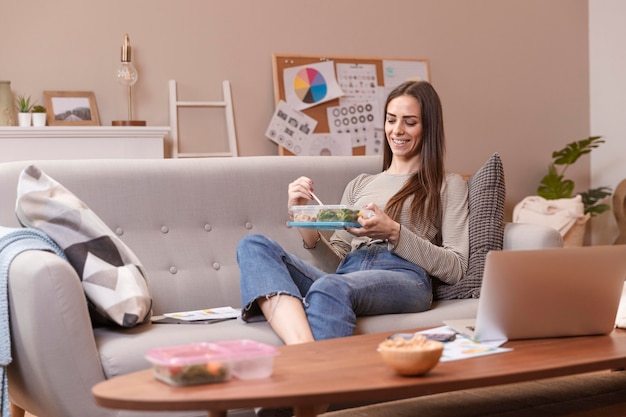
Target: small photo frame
[{"x": 71, "y": 108}]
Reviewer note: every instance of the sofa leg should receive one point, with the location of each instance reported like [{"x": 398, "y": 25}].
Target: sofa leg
[{"x": 16, "y": 411}]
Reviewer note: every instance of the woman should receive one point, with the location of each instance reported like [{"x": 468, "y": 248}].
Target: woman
[{"x": 418, "y": 231}]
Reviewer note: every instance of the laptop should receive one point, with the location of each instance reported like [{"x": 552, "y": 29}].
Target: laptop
[{"x": 530, "y": 294}]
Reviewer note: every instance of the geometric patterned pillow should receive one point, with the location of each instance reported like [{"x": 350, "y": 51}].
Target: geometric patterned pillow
[
  {"x": 112, "y": 276},
  {"x": 486, "y": 195}
]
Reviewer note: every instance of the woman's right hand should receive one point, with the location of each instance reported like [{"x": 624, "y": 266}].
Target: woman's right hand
[
  {"x": 299, "y": 195},
  {"x": 299, "y": 192}
]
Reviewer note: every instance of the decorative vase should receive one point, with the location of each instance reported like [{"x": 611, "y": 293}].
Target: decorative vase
[
  {"x": 39, "y": 119},
  {"x": 24, "y": 119},
  {"x": 6, "y": 104}
]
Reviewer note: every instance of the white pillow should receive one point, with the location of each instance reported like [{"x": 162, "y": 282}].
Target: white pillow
[{"x": 113, "y": 278}]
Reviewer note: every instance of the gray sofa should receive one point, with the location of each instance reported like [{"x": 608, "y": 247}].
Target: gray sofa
[{"x": 183, "y": 218}]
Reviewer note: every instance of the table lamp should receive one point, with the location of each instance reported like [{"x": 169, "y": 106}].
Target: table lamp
[{"x": 127, "y": 75}]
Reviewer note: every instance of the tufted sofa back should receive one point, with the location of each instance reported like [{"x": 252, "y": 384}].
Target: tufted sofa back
[{"x": 184, "y": 217}]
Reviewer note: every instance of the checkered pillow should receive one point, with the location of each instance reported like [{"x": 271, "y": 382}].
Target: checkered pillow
[
  {"x": 486, "y": 193},
  {"x": 113, "y": 278}
]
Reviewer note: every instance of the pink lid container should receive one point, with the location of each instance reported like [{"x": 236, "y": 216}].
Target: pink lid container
[
  {"x": 250, "y": 359},
  {"x": 207, "y": 362}
]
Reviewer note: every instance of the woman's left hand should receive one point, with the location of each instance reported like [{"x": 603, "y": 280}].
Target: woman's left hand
[{"x": 378, "y": 226}]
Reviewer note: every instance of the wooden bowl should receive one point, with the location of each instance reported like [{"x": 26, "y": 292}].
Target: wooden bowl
[{"x": 412, "y": 360}]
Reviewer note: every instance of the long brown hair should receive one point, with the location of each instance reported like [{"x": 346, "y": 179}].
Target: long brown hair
[{"x": 425, "y": 185}]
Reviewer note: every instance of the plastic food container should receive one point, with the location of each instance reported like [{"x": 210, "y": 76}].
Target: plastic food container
[
  {"x": 333, "y": 213},
  {"x": 209, "y": 362},
  {"x": 328, "y": 213},
  {"x": 198, "y": 363},
  {"x": 250, "y": 359}
]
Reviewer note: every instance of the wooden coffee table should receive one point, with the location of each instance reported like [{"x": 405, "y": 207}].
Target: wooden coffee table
[{"x": 350, "y": 370}]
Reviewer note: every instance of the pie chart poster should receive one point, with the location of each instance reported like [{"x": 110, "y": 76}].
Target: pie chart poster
[{"x": 309, "y": 85}]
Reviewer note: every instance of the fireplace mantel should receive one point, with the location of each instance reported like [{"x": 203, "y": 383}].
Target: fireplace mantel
[{"x": 82, "y": 142}]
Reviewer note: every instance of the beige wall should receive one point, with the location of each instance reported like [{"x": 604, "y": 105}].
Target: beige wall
[{"x": 512, "y": 74}]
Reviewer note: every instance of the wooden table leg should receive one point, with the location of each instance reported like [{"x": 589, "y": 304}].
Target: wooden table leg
[{"x": 305, "y": 411}]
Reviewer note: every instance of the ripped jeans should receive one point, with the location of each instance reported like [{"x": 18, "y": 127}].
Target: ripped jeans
[{"x": 369, "y": 281}]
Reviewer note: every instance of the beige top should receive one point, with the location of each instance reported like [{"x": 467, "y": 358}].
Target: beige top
[{"x": 447, "y": 262}]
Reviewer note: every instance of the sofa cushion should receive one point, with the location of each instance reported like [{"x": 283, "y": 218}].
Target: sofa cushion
[
  {"x": 486, "y": 194},
  {"x": 113, "y": 278}
]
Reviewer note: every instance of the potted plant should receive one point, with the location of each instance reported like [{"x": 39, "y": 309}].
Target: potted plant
[
  {"x": 24, "y": 107},
  {"x": 39, "y": 115},
  {"x": 554, "y": 185},
  {"x": 572, "y": 211}
]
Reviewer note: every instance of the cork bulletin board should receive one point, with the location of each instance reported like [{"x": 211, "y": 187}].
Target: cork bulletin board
[{"x": 389, "y": 72}]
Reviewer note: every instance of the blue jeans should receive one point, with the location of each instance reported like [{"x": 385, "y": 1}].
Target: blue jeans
[{"x": 369, "y": 281}]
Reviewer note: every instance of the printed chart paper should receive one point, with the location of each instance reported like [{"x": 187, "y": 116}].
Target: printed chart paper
[
  {"x": 355, "y": 118},
  {"x": 310, "y": 85},
  {"x": 375, "y": 142},
  {"x": 358, "y": 81},
  {"x": 397, "y": 72},
  {"x": 290, "y": 128},
  {"x": 323, "y": 144}
]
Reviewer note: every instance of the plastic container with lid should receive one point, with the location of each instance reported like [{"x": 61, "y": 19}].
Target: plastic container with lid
[
  {"x": 327, "y": 216},
  {"x": 208, "y": 362},
  {"x": 250, "y": 359}
]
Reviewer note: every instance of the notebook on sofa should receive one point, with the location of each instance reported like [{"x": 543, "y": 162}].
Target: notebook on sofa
[{"x": 529, "y": 294}]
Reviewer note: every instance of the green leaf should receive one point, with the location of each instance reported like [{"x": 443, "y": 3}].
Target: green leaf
[
  {"x": 592, "y": 197},
  {"x": 595, "y": 210},
  {"x": 554, "y": 186},
  {"x": 574, "y": 150},
  {"x": 23, "y": 104}
]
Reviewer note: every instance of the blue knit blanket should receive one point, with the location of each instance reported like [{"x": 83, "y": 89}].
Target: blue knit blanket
[{"x": 14, "y": 241}]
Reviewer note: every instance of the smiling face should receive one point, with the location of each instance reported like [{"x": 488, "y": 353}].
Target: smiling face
[{"x": 403, "y": 127}]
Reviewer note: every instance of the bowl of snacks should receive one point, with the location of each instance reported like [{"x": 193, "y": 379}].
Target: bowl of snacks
[
  {"x": 411, "y": 356},
  {"x": 327, "y": 216}
]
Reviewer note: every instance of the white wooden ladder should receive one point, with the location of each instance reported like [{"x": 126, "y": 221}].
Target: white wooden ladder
[{"x": 226, "y": 104}]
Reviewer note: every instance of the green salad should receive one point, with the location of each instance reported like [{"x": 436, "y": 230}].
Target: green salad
[
  {"x": 193, "y": 374},
  {"x": 338, "y": 215}
]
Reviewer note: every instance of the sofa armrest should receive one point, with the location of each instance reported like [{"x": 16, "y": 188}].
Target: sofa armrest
[
  {"x": 520, "y": 236},
  {"x": 55, "y": 360}
]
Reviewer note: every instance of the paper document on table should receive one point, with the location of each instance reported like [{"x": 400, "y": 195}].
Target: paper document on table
[
  {"x": 462, "y": 347},
  {"x": 219, "y": 313}
]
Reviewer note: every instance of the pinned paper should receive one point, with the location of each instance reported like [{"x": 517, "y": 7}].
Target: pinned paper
[
  {"x": 396, "y": 72},
  {"x": 358, "y": 81},
  {"x": 310, "y": 85},
  {"x": 355, "y": 118},
  {"x": 324, "y": 144},
  {"x": 290, "y": 128}
]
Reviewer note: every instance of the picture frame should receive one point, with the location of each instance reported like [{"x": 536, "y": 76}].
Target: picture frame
[{"x": 71, "y": 108}]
